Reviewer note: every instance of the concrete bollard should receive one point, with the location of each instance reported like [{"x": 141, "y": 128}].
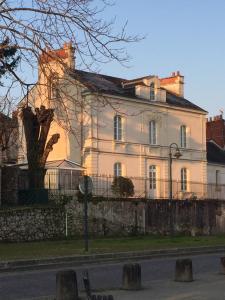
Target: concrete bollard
[
  {"x": 66, "y": 285},
  {"x": 131, "y": 277},
  {"x": 183, "y": 271},
  {"x": 222, "y": 263}
]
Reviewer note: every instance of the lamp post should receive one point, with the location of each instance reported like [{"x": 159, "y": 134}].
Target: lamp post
[{"x": 177, "y": 155}]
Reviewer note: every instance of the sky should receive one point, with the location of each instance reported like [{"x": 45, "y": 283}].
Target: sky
[{"x": 184, "y": 35}]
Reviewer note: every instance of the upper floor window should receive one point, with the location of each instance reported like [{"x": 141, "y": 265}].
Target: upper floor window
[
  {"x": 118, "y": 134},
  {"x": 152, "y": 177},
  {"x": 54, "y": 91},
  {"x": 152, "y": 91},
  {"x": 117, "y": 169},
  {"x": 183, "y": 175},
  {"x": 183, "y": 136},
  {"x": 152, "y": 133}
]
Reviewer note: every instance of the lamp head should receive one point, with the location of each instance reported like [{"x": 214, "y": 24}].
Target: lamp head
[{"x": 177, "y": 154}]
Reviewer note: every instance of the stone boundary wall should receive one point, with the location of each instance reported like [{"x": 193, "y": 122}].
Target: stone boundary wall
[
  {"x": 32, "y": 224},
  {"x": 122, "y": 218}
]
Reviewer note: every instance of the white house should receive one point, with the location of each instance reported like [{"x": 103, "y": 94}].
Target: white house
[{"x": 114, "y": 126}]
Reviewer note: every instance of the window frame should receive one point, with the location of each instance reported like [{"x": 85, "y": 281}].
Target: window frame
[
  {"x": 152, "y": 132},
  {"x": 118, "y": 128},
  {"x": 183, "y": 179},
  {"x": 117, "y": 169},
  {"x": 152, "y": 173},
  {"x": 152, "y": 91},
  {"x": 183, "y": 136}
]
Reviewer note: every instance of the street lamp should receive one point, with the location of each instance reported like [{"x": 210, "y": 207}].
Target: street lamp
[{"x": 177, "y": 155}]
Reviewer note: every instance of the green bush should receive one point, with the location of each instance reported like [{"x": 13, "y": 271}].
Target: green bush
[{"x": 122, "y": 186}]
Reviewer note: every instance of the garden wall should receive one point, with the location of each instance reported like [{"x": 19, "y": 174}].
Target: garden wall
[
  {"x": 32, "y": 223},
  {"x": 107, "y": 218}
]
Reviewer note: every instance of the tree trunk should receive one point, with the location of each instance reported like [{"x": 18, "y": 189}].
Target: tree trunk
[{"x": 36, "y": 129}]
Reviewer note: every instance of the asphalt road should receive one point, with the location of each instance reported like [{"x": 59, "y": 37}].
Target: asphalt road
[{"x": 39, "y": 283}]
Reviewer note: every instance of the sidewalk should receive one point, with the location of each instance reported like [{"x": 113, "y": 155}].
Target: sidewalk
[
  {"x": 78, "y": 260},
  {"x": 207, "y": 287}
]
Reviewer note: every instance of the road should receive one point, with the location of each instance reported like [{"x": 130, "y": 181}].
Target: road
[{"x": 30, "y": 284}]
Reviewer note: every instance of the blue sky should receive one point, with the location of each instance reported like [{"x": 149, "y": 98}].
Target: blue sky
[{"x": 184, "y": 35}]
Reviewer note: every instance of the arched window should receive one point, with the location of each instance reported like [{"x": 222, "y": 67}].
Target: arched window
[
  {"x": 117, "y": 169},
  {"x": 183, "y": 136},
  {"x": 118, "y": 128},
  {"x": 152, "y": 177},
  {"x": 152, "y": 133},
  {"x": 183, "y": 176},
  {"x": 152, "y": 91}
]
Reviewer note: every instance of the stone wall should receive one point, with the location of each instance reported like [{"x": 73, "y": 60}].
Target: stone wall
[
  {"x": 108, "y": 218},
  {"x": 32, "y": 223}
]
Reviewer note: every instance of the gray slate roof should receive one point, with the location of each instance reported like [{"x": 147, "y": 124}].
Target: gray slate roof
[
  {"x": 113, "y": 86},
  {"x": 215, "y": 154}
]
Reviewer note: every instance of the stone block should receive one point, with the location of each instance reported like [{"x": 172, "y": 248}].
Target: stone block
[
  {"x": 131, "y": 277},
  {"x": 183, "y": 270},
  {"x": 66, "y": 285}
]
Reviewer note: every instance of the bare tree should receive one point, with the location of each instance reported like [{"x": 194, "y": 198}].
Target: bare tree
[
  {"x": 36, "y": 28},
  {"x": 36, "y": 25}
]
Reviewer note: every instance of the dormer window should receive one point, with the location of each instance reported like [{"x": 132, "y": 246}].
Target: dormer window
[{"x": 152, "y": 91}]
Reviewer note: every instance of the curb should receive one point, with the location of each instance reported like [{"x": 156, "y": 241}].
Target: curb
[{"x": 79, "y": 260}]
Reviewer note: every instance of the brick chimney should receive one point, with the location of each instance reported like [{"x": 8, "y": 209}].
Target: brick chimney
[
  {"x": 174, "y": 83},
  {"x": 215, "y": 130},
  {"x": 65, "y": 55}
]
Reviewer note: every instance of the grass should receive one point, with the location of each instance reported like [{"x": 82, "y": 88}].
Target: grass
[{"x": 30, "y": 250}]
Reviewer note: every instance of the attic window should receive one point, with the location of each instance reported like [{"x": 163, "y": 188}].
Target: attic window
[{"x": 152, "y": 91}]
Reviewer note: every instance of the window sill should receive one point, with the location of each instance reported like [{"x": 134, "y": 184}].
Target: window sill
[{"x": 119, "y": 142}]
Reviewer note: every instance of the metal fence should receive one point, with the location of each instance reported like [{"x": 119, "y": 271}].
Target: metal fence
[{"x": 105, "y": 186}]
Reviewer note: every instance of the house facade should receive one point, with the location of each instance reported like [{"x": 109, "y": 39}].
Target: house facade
[
  {"x": 215, "y": 135},
  {"x": 119, "y": 127}
]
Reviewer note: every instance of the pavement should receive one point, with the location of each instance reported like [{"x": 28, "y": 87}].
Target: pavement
[{"x": 78, "y": 260}]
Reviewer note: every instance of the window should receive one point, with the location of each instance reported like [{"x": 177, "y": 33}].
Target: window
[
  {"x": 152, "y": 177},
  {"x": 217, "y": 177},
  {"x": 152, "y": 91},
  {"x": 152, "y": 133},
  {"x": 117, "y": 169},
  {"x": 183, "y": 136},
  {"x": 118, "y": 128},
  {"x": 54, "y": 88},
  {"x": 183, "y": 179}
]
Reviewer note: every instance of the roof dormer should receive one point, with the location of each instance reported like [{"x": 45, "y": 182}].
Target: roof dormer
[{"x": 146, "y": 88}]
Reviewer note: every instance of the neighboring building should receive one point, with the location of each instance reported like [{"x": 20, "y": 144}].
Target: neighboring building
[
  {"x": 8, "y": 139},
  {"x": 215, "y": 134},
  {"x": 114, "y": 126}
]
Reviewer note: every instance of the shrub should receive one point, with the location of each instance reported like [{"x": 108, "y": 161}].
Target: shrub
[{"x": 122, "y": 186}]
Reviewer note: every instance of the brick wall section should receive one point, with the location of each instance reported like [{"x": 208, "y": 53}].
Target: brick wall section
[
  {"x": 215, "y": 130},
  {"x": 32, "y": 224}
]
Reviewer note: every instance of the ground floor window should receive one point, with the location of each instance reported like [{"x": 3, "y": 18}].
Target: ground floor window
[
  {"x": 117, "y": 169},
  {"x": 152, "y": 177},
  {"x": 183, "y": 179}
]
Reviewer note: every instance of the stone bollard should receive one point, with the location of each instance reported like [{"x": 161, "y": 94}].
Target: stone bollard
[
  {"x": 131, "y": 277},
  {"x": 66, "y": 285},
  {"x": 222, "y": 263},
  {"x": 183, "y": 272}
]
